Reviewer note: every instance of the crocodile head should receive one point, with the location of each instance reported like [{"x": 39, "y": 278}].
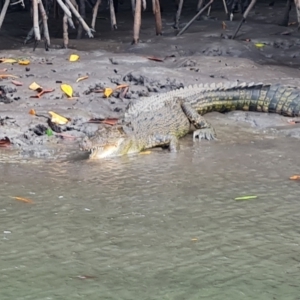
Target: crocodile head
[{"x": 107, "y": 142}]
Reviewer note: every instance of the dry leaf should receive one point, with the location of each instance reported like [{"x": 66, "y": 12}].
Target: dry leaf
[
  {"x": 295, "y": 177},
  {"x": 57, "y": 119},
  {"x": 41, "y": 93},
  {"x": 32, "y": 112},
  {"x": 5, "y": 142},
  {"x": 155, "y": 58},
  {"x": 3, "y": 76},
  {"x": 74, "y": 57},
  {"x": 34, "y": 86},
  {"x": 8, "y": 60},
  {"x": 26, "y": 200},
  {"x": 24, "y": 62},
  {"x": 145, "y": 152},
  {"x": 17, "y": 83},
  {"x": 67, "y": 89},
  {"x": 121, "y": 86},
  {"x": 292, "y": 23},
  {"x": 108, "y": 92},
  {"x": 82, "y": 78}
]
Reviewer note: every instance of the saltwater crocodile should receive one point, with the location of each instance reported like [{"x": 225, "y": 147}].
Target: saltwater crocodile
[{"x": 162, "y": 119}]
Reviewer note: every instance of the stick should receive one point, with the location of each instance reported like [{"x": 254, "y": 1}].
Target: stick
[
  {"x": 77, "y": 15},
  {"x": 178, "y": 14},
  {"x": 82, "y": 13},
  {"x": 45, "y": 25},
  {"x": 137, "y": 21},
  {"x": 95, "y": 13},
  {"x": 158, "y": 23},
  {"x": 3, "y": 12},
  {"x": 65, "y": 31},
  {"x": 252, "y": 3},
  {"x": 113, "y": 20},
  {"x": 194, "y": 18},
  {"x": 67, "y": 12},
  {"x": 36, "y": 26}
]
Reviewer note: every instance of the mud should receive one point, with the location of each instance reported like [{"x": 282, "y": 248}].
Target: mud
[{"x": 202, "y": 54}]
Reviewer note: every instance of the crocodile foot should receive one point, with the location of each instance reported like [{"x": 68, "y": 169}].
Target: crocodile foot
[{"x": 204, "y": 133}]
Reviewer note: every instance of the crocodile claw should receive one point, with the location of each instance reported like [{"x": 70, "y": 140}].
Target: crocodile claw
[{"x": 204, "y": 133}]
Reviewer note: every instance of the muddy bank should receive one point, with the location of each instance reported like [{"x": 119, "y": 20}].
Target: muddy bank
[
  {"x": 106, "y": 70},
  {"x": 203, "y": 54}
]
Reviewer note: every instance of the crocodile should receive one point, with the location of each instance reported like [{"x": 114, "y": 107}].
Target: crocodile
[{"x": 162, "y": 119}]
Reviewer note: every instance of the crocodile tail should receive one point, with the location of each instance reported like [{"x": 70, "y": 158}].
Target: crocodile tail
[{"x": 275, "y": 98}]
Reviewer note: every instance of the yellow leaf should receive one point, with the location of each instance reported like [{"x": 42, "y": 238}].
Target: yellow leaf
[
  {"x": 26, "y": 200},
  {"x": 8, "y": 60},
  {"x": 82, "y": 78},
  {"x": 259, "y": 45},
  {"x": 108, "y": 92},
  {"x": 74, "y": 57},
  {"x": 57, "y": 119},
  {"x": 67, "y": 89},
  {"x": 194, "y": 240},
  {"x": 34, "y": 86},
  {"x": 24, "y": 62}
]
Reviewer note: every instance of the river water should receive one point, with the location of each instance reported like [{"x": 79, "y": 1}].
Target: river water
[{"x": 156, "y": 226}]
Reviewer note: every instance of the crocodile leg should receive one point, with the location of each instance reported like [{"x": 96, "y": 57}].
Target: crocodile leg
[
  {"x": 170, "y": 140},
  {"x": 204, "y": 129}
]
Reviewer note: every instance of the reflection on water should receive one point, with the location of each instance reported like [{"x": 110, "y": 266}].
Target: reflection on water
[{"x": 159, "y": 226}]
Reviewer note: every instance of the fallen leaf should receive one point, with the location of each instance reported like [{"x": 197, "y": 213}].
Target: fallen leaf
[
  {"x": 82, "y": 78},
  {"x": 224, "y": 26},
  {"x": 26, "y": 200},
  {"x": 155, "y": 58},
  {"x": 5, "y": 142},
  {"x": 194, "y": 240},
  {"x": 295, "y": 177},
  {"x": 58, "y": 119},
  {"x": 121, "y": 86},
  {"x": 259, "y": 45},
  {"x": 7, "y": 76},
  {"x": 292, "y": 23},
  {"x": 245, "y": 198},
  {"x": 17, "y": 83},
  {"x": 49, "y": 132},
  {"x": 8, "y": 60},
  {"x": 24, "y": 62},
  {"x": 74, "y": 57},
  {"x": 67, "y": 89},
  {"x": 41, "y": 93},
  {"x": 34, "y": 86},
  {"x": 108, "y": 92},
  {"x": 32, "y": 112}
]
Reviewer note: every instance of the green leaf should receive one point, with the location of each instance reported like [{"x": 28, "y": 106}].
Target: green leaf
[
  {"x": 49, "y": 132},
  {"x": 245, "y": 198}
]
